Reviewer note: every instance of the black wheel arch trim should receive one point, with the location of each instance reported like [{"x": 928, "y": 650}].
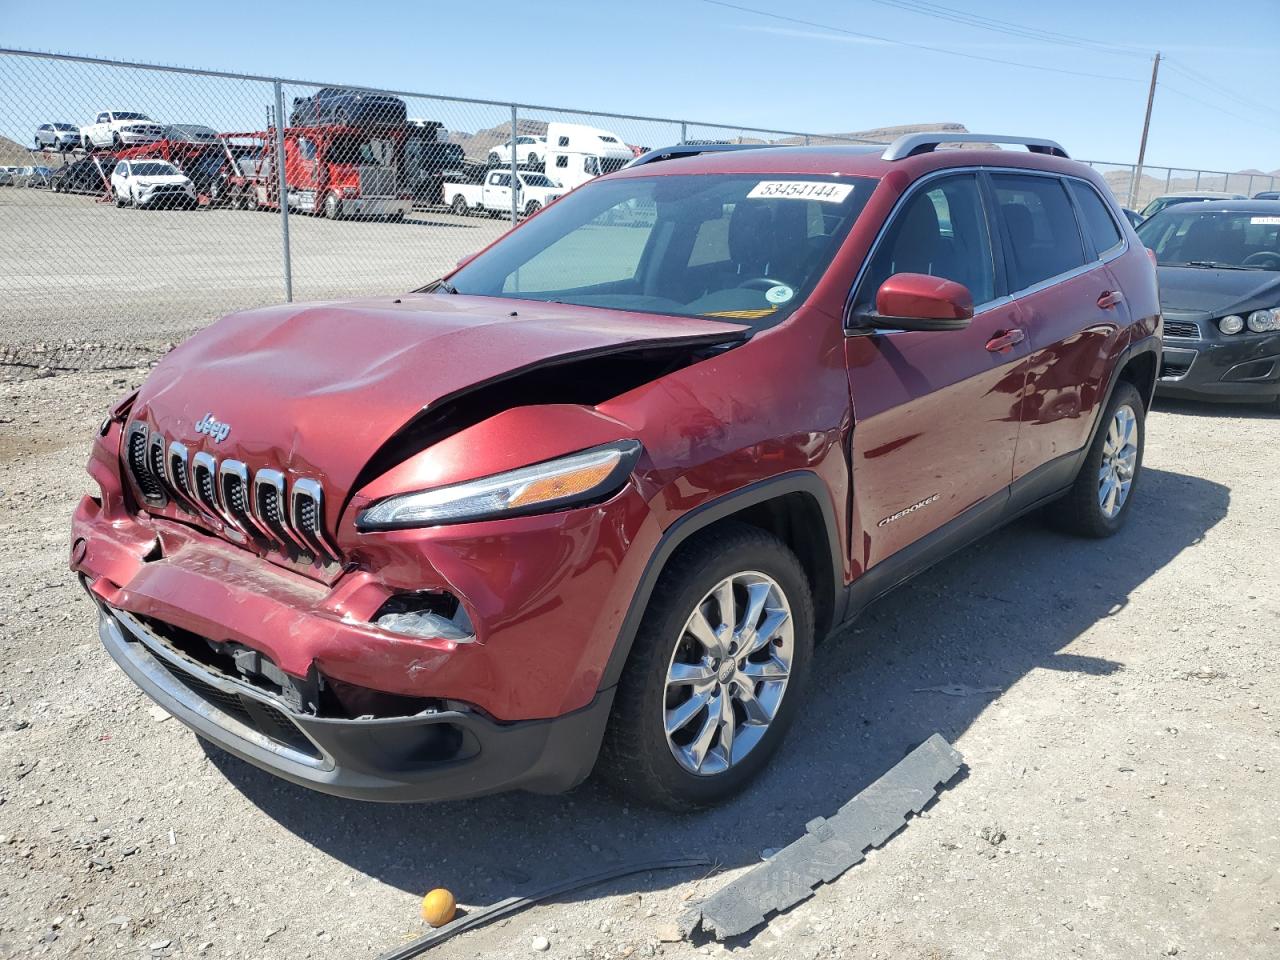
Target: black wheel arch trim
[{"x": 800, "y": 481}]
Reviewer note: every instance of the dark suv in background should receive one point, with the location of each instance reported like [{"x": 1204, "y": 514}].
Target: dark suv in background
[
  {"x": 346, "y": 108},
  {"x": 599, "y": 491}
]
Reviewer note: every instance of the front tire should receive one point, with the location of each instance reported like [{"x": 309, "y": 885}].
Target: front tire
[
  {"x": 716, "y": 674},
  {"x": 1099, "y": 501},
  {"x": 332, "y": 206}
]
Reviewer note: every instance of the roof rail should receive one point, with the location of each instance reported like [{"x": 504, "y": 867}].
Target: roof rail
[{"x": 911, "y": 144}]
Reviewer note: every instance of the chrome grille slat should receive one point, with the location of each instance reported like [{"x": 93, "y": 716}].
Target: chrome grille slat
[
  {"x": 306, "y": 513},
  {"x": 233, "y": 495},
  {"x": 204, "y": 469},
  {"x": 238, "y": 503},
  {"x": 137, "y": 453},
  {"x": 269, "y": 507}
]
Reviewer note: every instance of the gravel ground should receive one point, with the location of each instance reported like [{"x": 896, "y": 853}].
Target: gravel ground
[{"x": 1120, "y": 796}]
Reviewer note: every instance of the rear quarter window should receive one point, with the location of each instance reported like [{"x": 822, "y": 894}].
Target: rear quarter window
[{"x": 1098, "y": 223}]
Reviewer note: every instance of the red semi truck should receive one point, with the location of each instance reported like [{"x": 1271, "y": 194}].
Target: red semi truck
[{"x": 331, "y": 171}]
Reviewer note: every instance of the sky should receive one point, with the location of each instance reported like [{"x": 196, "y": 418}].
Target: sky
[{"x": 1076, "y": 73}]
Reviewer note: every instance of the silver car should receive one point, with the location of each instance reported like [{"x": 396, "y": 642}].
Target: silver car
[{"x": 57, "y": 136}]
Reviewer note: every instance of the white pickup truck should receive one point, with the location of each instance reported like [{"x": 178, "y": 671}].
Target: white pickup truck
[
  {"x": 120, "y": 128},
  {"x": 493, "y": 193}
]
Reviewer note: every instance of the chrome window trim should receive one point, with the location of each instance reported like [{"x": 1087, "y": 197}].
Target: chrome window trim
[{"x": 1012, "y": 295}]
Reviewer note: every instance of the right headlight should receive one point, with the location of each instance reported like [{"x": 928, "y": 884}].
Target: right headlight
[
  {"x": 1231, "y": 324},
  {"x": 1265, "y": 321},
  {"x": 576, "y": 479}
]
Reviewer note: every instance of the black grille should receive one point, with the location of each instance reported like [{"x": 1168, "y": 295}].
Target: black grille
[
  {"x": 1174, "y": 368},
  {"x": 254, "y": 714},
  {"x": 1183, "y": 329}
]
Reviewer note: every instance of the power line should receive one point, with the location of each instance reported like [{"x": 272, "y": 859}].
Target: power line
[
  {"x": 1217, "y": 88},
  {"x": 916, "y": 46},
  {"x": 1008, "y": 27},
  {"x": 1218, "y": 108}
]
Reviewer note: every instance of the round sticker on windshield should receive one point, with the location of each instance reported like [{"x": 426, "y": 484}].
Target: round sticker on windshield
[{"x": 779, "y": 294}]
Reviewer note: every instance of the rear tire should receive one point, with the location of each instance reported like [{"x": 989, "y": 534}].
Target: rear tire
[
  {"x": 696, "y": 766},
  {"x": 332, "y": 207},
  {"x": 1100, "y": 499},
  {"x": 532, "y": 207},
  {"x": 459, "y": 206}
]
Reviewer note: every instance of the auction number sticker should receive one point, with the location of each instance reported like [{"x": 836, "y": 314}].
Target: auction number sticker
[
  {"x": 1265, "y": 221},
  {"x": 801, "y": 190}
]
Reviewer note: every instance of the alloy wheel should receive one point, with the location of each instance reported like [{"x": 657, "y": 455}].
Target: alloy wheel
[
  {"x": 728, "y": 673},
  {"x": 1119, "y": 461}
]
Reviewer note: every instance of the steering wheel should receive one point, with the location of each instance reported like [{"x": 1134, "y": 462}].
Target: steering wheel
[
  {"x": 1263, "y": 258},
  {"x": 764, "y": 283}
]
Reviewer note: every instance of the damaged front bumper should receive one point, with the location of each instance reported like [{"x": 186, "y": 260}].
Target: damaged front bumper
[{"x": 440, "y": 754}]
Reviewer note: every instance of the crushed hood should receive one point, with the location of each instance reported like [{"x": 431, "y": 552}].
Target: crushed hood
[{"x": 318, "y": 388}]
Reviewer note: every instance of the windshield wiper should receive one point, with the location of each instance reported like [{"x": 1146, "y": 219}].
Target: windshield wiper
[
  {"x": 1214, "y": 264},
  {"x": 441, "y": 286}
]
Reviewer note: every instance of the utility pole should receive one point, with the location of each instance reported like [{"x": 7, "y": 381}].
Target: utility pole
[{"x": 1146, "y": 126}]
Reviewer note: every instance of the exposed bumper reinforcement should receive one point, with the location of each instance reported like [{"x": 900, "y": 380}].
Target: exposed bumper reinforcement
[{"x": 383, "y": 759}]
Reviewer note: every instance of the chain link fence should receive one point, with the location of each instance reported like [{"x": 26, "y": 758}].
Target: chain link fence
[
  {"x": 139, "y": 203},
  {"x": 1135, "y": 188}
]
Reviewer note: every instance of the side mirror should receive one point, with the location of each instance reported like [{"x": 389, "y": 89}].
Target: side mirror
[{"x": 917, "y": 301}]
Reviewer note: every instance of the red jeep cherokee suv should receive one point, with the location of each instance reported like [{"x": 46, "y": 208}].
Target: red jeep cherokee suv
[{"x": 595, "y": 494}]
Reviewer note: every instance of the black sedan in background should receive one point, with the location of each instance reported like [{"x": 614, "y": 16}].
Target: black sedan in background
[{"x": 1219, "y": 267}]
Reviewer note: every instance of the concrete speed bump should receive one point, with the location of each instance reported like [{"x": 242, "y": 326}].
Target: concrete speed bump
[{"x": 830, "y": 846}]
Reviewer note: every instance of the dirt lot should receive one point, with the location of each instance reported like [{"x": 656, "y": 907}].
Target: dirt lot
[{"x": 1120, "y": 798}]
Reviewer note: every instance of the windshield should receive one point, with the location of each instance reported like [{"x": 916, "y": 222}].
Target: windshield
[
  {"x": 537, "y": 180},
  {"x": 1188, "y": 235},
  {"x": 745, "y": 247},
  {"x": 153, "y": 168},
  {"x": 130, "y": 116},
  {"x": 64, "y": 126},
  {"x": 353, "y": 148}
]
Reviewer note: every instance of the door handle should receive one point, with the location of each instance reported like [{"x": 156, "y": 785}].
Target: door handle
[
  {"x": 1109, "y": 298},
  {"x": 1006, "y": 341}
]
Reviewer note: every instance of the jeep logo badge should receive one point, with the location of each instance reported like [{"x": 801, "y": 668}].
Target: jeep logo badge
[{"x": 213, "y": 428}]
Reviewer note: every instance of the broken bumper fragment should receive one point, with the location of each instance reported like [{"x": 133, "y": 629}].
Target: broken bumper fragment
[{"x": 437, "y": 754}]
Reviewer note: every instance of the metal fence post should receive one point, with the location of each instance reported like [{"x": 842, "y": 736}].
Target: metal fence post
[
  {"x": 684, "y": 132},
  {"x": 282, "y": 188},
  {"x": 1198, "y": 172},
  {"x": 1168, "y": 179},
  {"x": 515, "y": 177}
]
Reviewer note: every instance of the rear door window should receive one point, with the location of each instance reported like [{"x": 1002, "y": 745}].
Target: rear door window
[
  {"x": 1042, "y": 238},
  {"x": 1098, "y": 223}
]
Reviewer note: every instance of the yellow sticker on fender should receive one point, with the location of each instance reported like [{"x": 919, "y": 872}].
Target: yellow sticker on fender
[{"x": 801, "y": 190}]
